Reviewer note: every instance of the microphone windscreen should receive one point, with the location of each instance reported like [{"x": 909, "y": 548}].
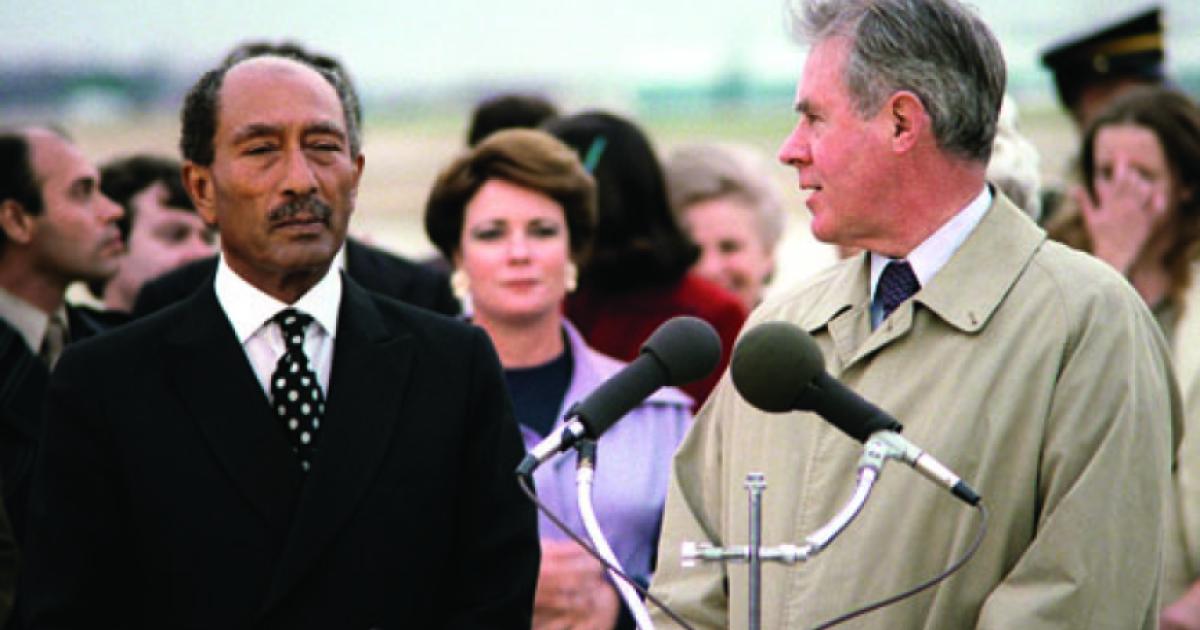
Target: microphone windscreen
[
  {"x": 773, "y": 363},
  {"x": 687, "y": 348}
]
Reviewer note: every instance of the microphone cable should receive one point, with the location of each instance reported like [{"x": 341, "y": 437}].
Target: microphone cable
[
  {"x": 523, "y": 481},
  {"x": 888, "y": 601}
]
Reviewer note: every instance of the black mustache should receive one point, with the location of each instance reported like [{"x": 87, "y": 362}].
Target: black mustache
[{"x": 311, "y": 205}]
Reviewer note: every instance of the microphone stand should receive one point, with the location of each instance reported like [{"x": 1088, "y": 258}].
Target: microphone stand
[
  {"x": 870, "y": 465},
  {"x": 584, "y": 476}
]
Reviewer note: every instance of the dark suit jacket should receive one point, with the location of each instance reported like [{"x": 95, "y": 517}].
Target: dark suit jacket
[
  {"x": 167, "y": 495},
  {"x": 372, "y": 268},
  {"x": 23, "y": 380}
]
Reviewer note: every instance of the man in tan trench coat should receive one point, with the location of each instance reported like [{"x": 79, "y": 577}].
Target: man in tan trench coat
[{"x": 1033, "y": 371}]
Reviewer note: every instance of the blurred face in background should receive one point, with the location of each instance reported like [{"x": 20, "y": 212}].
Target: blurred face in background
[
  {"x": 1129, "y": 159},
  {"x": 515, "y": 251},
  {"x": 76, "y": 236},
  {"x": 161, "y": 238},
  {"x": 732, "y": 251}
]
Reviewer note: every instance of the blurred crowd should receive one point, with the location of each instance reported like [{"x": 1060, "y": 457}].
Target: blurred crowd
[{"x": 567, "y": 238}]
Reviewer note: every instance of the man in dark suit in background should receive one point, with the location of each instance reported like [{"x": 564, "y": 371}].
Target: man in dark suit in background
[
  {"x": 373, "y": 268},
  {"x": 56, "y": 228},
  {"x": 282, "y": 449}
]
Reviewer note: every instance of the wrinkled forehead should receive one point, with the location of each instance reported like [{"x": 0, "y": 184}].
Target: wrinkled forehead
[{"x": 276, "y": 91}]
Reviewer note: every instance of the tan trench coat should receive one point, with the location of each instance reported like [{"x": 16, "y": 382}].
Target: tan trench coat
[{"x": 1034, "y": 371}]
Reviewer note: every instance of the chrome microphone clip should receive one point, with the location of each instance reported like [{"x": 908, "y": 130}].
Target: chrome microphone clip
[{"x": 892, "y": 445}]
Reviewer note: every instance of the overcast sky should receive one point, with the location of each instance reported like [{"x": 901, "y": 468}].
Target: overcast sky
[{"x": 390, "y": 44}]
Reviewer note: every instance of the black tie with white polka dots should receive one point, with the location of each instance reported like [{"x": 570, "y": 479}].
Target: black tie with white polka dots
[{"x": 295, "y": 393}]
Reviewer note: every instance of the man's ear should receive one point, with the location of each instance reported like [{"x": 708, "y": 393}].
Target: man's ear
[
  {"x": 359, "y": 162},
  {"x": 197, "y": 180},
  {"x": 18, "y": 224},
  {"x": 908, "y": 118}
]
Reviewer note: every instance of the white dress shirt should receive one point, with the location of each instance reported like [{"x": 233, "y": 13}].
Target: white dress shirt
[
  {"x": 250, "y": 311},
  {"x": 932, "y": 254},
  {"x": 30, "y": 321}
]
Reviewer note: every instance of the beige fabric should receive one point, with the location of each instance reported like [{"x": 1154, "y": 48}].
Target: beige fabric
[
  {"x": 1183, "y": 550},
  {"x": 1032, "y": 370}
]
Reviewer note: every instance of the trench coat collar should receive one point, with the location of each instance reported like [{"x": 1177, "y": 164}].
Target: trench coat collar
[{"x": 965, "y": 293}]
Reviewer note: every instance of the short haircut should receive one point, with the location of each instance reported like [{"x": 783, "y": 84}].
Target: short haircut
[
  {"x": 638, "y": 243},
  {"x": 201, "y": 105},
  {"x": 122, "y": 179},
  {"x": 18, "y": 181},
  {"x": 528, "y": 158},
  {"x": 508, "y": 111},
  {"x": 937, "y": 49},
  {"x": 702, "y": 172}
]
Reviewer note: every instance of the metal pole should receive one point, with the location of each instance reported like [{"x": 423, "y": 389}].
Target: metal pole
[{"x": 755, "y": 484}]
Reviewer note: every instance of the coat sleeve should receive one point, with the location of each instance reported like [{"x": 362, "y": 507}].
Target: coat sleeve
[
  {"x": 694, "y": 512},
  {"x": 497, "y": 566},
  {"x": 1097, "y": 551}
]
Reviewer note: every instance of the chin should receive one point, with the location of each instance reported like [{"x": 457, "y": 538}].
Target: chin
[{"x": 302, "y": 255}]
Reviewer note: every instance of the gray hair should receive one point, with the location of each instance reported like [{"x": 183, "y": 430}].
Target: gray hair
[
  {"x": 937, "y": 49},
  {"x": 700, "y": 172}
]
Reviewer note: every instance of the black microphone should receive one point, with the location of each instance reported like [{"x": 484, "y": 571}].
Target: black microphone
[
  {"x": 777, "y": 367},
  {"x": 681, "y": 350}
]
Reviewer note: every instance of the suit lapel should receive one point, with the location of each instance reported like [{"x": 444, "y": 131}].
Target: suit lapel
[
  {"x": 214, "y": 379},
  {"x": 23, "y": 380},
  {"x": 370, "y": 369}
]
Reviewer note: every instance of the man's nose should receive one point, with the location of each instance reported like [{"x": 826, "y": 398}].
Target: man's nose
[
  {"x": 299, "y": 178},
  {"x": 795, "y": 147},
  {"x": 108, "y": 210}
]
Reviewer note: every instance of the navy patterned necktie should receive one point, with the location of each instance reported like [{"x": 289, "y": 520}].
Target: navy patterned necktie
[
  {"x": 897, "y": 284},
  {"x": 295, "y": 393}
]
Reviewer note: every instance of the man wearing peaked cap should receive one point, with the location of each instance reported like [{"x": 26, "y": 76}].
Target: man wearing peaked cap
[{"x": 1093, "y": 67}]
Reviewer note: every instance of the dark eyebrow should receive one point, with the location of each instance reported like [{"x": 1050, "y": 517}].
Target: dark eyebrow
[
  {"x": 256, "y": 130},
  {"x": 803, "y": 106},
  {"x": 326, "y": 127}
]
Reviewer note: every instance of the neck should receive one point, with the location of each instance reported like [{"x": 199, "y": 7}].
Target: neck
[
  {"x": 930, "y": 193},
  {"x": 44, "y": 292},
  {"x": 526, "y": 343},
  {"x": 287, "y": 287}
]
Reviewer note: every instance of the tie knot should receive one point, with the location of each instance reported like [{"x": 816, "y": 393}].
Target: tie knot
[
  {"x": 897, "y": 284},
  {"x": 292, "y": 322}
]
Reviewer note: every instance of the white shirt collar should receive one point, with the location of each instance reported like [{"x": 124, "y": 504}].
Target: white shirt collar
[
  {"x": 28, "y": 320},
  {"x": 932, "y": 254},
  {"x": 248, "y": 308}
]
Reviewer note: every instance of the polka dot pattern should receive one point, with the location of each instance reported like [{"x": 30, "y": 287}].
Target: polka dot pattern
[{"x": 297, "y": 396}]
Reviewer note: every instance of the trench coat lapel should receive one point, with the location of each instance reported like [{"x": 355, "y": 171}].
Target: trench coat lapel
[
  {"x": 370, "y": 369},
  {"x": 214, "y": 380},
  {"x": 999, "y": 249}
]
